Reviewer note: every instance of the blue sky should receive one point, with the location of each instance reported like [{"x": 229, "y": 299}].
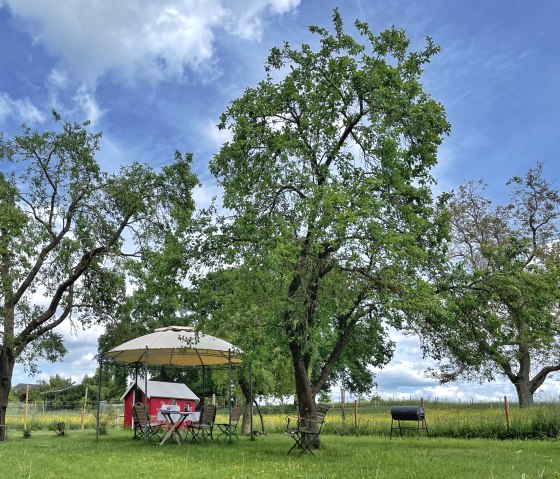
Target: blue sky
[{"x": 155, "y": 75}]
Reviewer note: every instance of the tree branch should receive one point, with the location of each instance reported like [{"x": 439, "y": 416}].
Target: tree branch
[
  {"x": 37, "y": 333},
  {"x": 540, "y": 377},
  {"x": 346, "y": 324},
  {"x": 77, "y": 272}
]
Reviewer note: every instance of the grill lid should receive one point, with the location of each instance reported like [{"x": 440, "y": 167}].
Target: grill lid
[{"x": 407, "y": 413}]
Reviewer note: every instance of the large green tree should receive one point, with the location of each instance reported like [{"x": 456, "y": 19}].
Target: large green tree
[
  {"x": 239, "y": 304},
  {"x": 67, "y": 233},
  {"x": 498, "y": 314},
  {"x": 327, "y": 186}
]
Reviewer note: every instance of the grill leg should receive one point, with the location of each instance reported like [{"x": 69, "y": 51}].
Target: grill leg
[{"x": 425, "y": 424}]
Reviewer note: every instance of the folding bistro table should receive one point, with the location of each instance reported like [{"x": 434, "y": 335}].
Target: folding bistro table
[{"x": 174, "y": 420}]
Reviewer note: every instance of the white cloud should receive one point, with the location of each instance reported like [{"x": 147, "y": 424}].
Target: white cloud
[
  {"x": 81, "y": 105},
  {"x": 57, "y": 79},
  {"x": 153, "y": 40},
  {"x": 21, "y": 110},
  {"x": 87, "y": 105},
  {"x": 245, "y": 17},
  {"x": 405, "y": 377}
]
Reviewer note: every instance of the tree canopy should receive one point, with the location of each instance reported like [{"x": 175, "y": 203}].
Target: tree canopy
[
  {"x": 68, "y": 234},
  {"x": 498, "y": 309},
  {"x": 327, "y": 188}
]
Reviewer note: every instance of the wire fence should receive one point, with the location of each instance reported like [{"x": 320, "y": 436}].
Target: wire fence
[{"x": 446, "y": 419}]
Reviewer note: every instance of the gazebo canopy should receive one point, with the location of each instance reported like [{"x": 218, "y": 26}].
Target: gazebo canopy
[{"x": 176, "y": 346}]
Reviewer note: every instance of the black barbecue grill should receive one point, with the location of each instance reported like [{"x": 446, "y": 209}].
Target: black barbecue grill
[{"x": 407, "y": 415}]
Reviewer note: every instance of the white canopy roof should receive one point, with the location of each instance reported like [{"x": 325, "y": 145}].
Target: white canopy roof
[
  {"x": 160, "y": 389},
  {"x": 177, "y": 346}
]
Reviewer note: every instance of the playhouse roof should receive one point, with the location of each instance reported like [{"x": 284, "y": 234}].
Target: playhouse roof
[{"x": 160, "y": 389}]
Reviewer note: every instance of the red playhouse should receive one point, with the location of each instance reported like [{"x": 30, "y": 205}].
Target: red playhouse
[{"x": 159, "y": 395}]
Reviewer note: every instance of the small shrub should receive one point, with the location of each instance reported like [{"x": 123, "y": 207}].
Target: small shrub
[
  {"x": 107, "y": 418},
  {"x": 60, "y": 428},
  {"x": 26, "y": 433}
]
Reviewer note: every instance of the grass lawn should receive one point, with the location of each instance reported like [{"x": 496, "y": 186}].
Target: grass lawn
[{"x": 77, "y": 455}]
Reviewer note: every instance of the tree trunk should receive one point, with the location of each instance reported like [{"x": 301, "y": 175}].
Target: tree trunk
[
  {"x": 246, "y": 424},
  {"x": 524, "y": 387},
  {"x": 525, "y": 393},
  {"x": 6, "y": 371},
  {"x": 304, "y": 390}
]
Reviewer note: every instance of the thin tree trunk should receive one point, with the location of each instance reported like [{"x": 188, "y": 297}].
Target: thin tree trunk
[
  {"x": 260, "y": 418},
  {"x": 246, "y": 424},
  {"x": 6, "y": 370}
]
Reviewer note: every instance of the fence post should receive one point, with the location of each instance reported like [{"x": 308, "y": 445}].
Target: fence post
[
  {"x": 343, "y": 407},
  {"x": 26, "y": 406},
  {"x": 355, "y": 415},
  {"x": 82, "y": 419},
  {"x": 506, "y": 409}
]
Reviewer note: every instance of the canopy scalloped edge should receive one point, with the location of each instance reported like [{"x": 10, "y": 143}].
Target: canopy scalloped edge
[{"x": 176, "y": 346}]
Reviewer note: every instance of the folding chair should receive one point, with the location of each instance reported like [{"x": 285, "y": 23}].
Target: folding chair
[
  {"x": 203, "y": 428},
  {"x": 228, "y": 429},
  {"x": 307, "y": 430},
  {"x": 145, "y": 425}
]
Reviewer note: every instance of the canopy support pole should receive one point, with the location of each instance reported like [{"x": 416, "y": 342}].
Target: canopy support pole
[
  {"x": 98, "y": 399},
  {"x": 146, "y": 420},
  {"x": 203, "y": 386},
  {"x": 251, "y": 400},
  {"x": 230, "y": 391}
]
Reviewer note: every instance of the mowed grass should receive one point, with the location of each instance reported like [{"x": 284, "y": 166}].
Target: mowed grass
[{"x": 77, "y": 455}]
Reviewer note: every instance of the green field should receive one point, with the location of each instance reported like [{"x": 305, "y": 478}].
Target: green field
[
  {"x": 77, "y": 455},
  {"x": 478, "y": 420}
]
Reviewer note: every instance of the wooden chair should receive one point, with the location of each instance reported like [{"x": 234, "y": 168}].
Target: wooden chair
[
  {"x": 228, "y": 429},
  {"x": 205, "y": 425},
  {"x": 144, "y": 424},
  {"x": 306, "y": 431}
]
